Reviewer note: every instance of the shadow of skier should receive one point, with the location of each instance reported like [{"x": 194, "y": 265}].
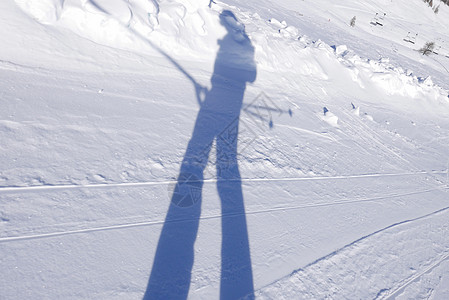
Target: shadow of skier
[{"x": 217, "y": 120}]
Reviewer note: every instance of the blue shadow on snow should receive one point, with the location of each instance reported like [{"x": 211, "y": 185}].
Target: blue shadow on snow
[{"x": 217, "y": 120}]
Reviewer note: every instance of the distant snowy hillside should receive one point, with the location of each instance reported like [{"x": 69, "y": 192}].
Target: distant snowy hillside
[{"x": 172, "y": 149}]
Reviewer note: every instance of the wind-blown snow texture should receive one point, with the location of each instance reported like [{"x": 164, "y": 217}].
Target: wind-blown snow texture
[{"x": 239, "y": 149}]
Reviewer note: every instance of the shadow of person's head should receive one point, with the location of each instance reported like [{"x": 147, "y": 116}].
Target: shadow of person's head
[
  {"x": 227, "y": 16},
  {"x": 235, "y": 57},
  {"x": 229, "y": 21}
]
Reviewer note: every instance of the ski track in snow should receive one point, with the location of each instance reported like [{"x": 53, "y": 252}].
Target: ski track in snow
[
  {"x": 375, "y": 137},
  {"x": 249, "y": 212},
  {"x": 392, "y": 294},
  {"x": 19, "y": 189},
  {"x": 126, "y": 49},
  {"x": 299, "y": 279}
]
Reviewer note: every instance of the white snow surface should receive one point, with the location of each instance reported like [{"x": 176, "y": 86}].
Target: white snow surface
[{"x": 342, "y": 149}]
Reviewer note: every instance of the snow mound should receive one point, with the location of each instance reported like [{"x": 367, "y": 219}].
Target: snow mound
[
  {"x": 281, "y": 46},
  {"x": 191, "y": 29},
  {"x": 393, "y": 80},
  {"x": 44, "y": 11},
  {"x": 329, "y": 117},
  {"x": 183, "y": 26}
]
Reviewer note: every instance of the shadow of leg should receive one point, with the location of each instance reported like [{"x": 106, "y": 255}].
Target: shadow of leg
[
  {"x": 172, "y": 266},
  {"x": 236, "y": 269}
]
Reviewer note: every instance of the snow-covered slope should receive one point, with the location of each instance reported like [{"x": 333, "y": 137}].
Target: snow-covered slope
[{"x": 337, "y": 187}]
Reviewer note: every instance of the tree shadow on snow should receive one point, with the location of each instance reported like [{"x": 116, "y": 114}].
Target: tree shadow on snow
[{"x": 217, "y": 120}]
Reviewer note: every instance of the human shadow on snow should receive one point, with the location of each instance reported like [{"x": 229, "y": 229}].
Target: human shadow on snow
[{"x": 217, "y": 120}]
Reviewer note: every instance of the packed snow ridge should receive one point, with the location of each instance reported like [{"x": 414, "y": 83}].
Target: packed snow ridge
[{"x": 193, "y": 27}]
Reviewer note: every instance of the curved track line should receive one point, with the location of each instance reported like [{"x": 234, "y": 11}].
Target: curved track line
[
  {"x": 373, "y": 136},
  {"x": 399, "y": 289},
  {"x": 310, "y": 132},
  {"x": 160, "y": 222},
  {"x": 19, "y": 189},
  {"x": 428, "y": 215}
]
